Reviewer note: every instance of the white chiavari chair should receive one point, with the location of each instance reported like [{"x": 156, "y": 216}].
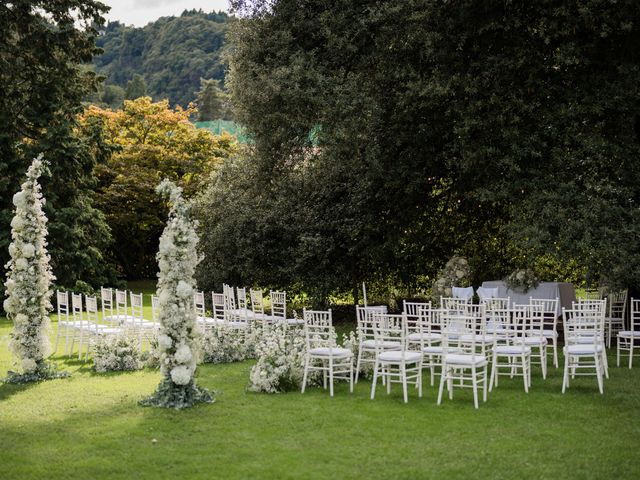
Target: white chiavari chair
[
  {"x": 257, "y": 304},
  {"x": 95, "y": 329},
  {"x": 496, "y": 303},
  {"x": 204, "y": 322},
  {"x": 453, "y": 304},
  {"x": 599, "y": 307},
  {"x": 366, "y": 339},
  {"x": 614, "y": 321},
  {"x": 466, "y": 332},
  {"x": 106, "y": 301},
  {"x": 144, "y": 330},
  {"x": 65, "y": 328},
  {"x": 584, "y": 341},
  {"x": 629, "y": 340},
  {"x": 463, "y": 293},
  {"x": 279, "y": 309},
  {"x": 547, "y": 308},
  {"x": 322, "y": 353},
  {"x": 155, "y": 309},
  {"x": 510, "y": 352},
  {"x": 394, "y": 366}
]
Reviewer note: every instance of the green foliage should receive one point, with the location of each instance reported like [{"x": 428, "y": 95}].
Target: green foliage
[
  {"x": 438, "y": 127},
  {"x": 136, "y": 87},
  {"x": 172, "y": 54},
  {"x": 211, "y": 101},
  {"x": 45, "y": 370},
  {"x": 170, "y": 395},
  {"x": 113, "y": 96},
  {"x": 41, "y": 90}
]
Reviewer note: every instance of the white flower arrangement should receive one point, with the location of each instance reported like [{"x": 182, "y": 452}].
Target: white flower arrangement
[
  {"x": 117, "y": 353},
  {"x": 177, "y": 261},
  {"x": 522, "y": 280},
  {"x": 225, "y": 344},
  {"x": 28, "y": 283},
  {"x": 456, "y": 273}
]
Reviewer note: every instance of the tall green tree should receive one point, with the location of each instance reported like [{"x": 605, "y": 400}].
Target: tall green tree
[
  {"x": 42, "y": 45},
  {"x": 420, "y": 128},
  {"x": 210, "y": 100},
  {"x": 136, "y": 88}
]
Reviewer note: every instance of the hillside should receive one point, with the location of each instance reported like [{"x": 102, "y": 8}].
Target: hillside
[{"x": 171, "y": 54}]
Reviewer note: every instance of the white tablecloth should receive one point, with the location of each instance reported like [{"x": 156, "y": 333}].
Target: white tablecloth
[{"x": 564, "y": 291}]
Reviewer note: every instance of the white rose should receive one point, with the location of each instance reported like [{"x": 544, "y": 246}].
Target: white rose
[
  {"x": 28, "y": 250},
  {"x": 19, "y": 199},
  {"x": 184, "y": 290},
  {"x": 183, "y": 354},
  {"x": 21, "y": 318},
  {"x": 17, "y": 223},
  {"x": 29, "y": 365},
  {"x": 21, "y": 264},
  {"x": 165, "y": 341},
  {"x": 180, "y": 375},
  {"x": 459, "y": 273}
]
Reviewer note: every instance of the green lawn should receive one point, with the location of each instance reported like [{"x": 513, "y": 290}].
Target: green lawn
[{"x": 90, "y": 426}]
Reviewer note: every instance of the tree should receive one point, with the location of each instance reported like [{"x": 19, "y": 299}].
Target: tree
[
  {"x": 426, "y": 128},
  {"x": 136, "y": 87},
  {"x": 151, "y": 141},
  {"x": 211, "y": 101},
  {"x": 113, "y": 96},
  {"x": 42, "y": 85}
]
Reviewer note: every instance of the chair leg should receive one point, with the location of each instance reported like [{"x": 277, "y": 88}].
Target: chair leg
[
  {"x": 420, "y": 380},
  {"x": 474, "y": 380},
  {"x": 403, "y": 374},
  {"x": 331, "y": 376},
  {"x": 618, "y": 354},
  {"x": 543, "y": 361},
  {"x": 387, "y": 375},
  {"x": 358, "y": 361},
  {"x": 555, "y": 351},
  {"x": 525, "y": 375},
  {"x": 599, "y": 374},
  {"x": 351, "y": 375},
  {"x": 494, "y": 372},
  {"x": 484, "y": 385},
  {"x": 565, "y": 377},
  {"x": 375, "y": 379},
  {"x": 306, "y": 372},
  {"x": 441, "y": 388},
  {"x": 631, "y": 342},
  {"x": 605, "y": 363}
]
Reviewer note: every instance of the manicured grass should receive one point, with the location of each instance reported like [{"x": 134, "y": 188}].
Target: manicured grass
[{"x": 90, "y": 426}]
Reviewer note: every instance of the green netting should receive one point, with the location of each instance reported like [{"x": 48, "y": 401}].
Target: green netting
[{"x": 218, "y": 126}]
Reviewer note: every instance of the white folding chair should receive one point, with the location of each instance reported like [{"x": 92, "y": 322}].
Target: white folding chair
[
  {"x": 95, "y": 329},
  {"x": 496, "y": 303},
  {"x": 257, "y": 304},
  {"x": 614, "y": 322},
  {"x": 599, "y": 307},
  {"x": 322, "y": 353},
  {"x": 366, "y": 339},
  {"x": 394, "y": 366},
  {"x": 511, "y": 353},
  {"x": 145, "y": 330},
  {"x": 204, "y": 322},
  {"x": 547, "y": 309},
  {"x": 155, "y": 309},
  {"x": 106, "y": 301},
  {"x": 279, "y": 309},
  {"x": 453, "y": 304},
  {"x": 65, "y": 325},
  {"x": 467, "y": 333},
  {"x": 628, "y": 340},
  {"x": 584, "y": 341},
  {"x": 122, "y": 316}
]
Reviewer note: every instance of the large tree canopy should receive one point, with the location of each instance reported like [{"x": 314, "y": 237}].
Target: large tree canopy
[
  {"x": 389, "y": 135},
  {"x": 42, "y": 44}
]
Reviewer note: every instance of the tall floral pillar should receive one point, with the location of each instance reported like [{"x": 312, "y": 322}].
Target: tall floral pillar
[
  {"x": 177, "y": 261},
  {"x": 28, "y": 284}
]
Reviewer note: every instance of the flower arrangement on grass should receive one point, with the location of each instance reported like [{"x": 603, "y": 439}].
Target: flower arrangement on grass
[
  {"x": 29, "y": 278},
  {"x": 456, "y": 273},
  {"x": 280, "y": 360},
  {"x": 117, "y": 353},
  {"x": 225, "y": 344},
  {"x": 177, "y": 261},
  {"x": 522, "y": 280}
]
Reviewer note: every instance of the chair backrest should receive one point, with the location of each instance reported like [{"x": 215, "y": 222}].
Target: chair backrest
[
  {"x": 454, "y": 304},
  {"x": 91, "y": 304},
  {"x": 278, "y": 304},
  {"x": 364, "y": 323},
  {"x": 414, "y": 314},
  {"x": 496, "y": 303},
  {"x": 499, "y": 320},
  {"x": 590, "y": 304},
  {"x": 545, "y": 309},
  {"x": 456, "y": 326},
  {"x": 486, "y": 293},
  {"x": 76, "y": 306},
  {"x": 62, "y": 299},
  {"x": 121, "y": 303},
  {"x": 618, "y": 304},
  {"x": 229, "y": 297},
  {"x": 634, "y": 318},
  {"x": 106, "y": 300},
  {"x": 219, "y": 304},
  {"x": 137, "y": 307},
  {"x": 318, "y": 329},
  {"x": 428, "y": 324},
  {"x": 198, "y": 303},
  {"x": 241, "y": 293},
  {"x": 465, "y": 293},
  {"x": 257, "y": 302},
  {"x": 155, "y": 308},
  {"x": 388, "y": 328},
  {"x": 583, "y": 326}
]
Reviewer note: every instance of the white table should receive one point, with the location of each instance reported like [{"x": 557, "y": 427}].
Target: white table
[{"x": 566, "y": 292}]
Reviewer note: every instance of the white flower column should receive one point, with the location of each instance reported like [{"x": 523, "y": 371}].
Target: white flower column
[
  {"x": 28, "y": 284},
  {"x": 177, "y": 261}
]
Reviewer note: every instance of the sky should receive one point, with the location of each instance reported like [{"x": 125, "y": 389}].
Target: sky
[{"x": 141, "y": 12}]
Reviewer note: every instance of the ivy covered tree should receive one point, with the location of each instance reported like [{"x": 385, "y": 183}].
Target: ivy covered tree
[{"x": 42, "y": 84}]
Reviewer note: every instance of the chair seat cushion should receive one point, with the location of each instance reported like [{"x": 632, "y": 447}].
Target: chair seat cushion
[
  {"x": 629, "y": 334},
  {"x": 396, "y": 356},
  {"x": 531, "y": 341},
  {"x": 371, "y": 345},
  {"x": 209, "y": 321},
  {"x": 478, "y": 338},
  {"x": 108, "y": 330},
  {"x": 582, "y": 349},
  {"x": 465, "y": 359},
  {"x": 416, "y": 337},
  {"x": 335, "y": 352},
  {"x": 512, "y": 350},
  {"x": 545, "y": 333},
  {"x": 437, "y": 350}
]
